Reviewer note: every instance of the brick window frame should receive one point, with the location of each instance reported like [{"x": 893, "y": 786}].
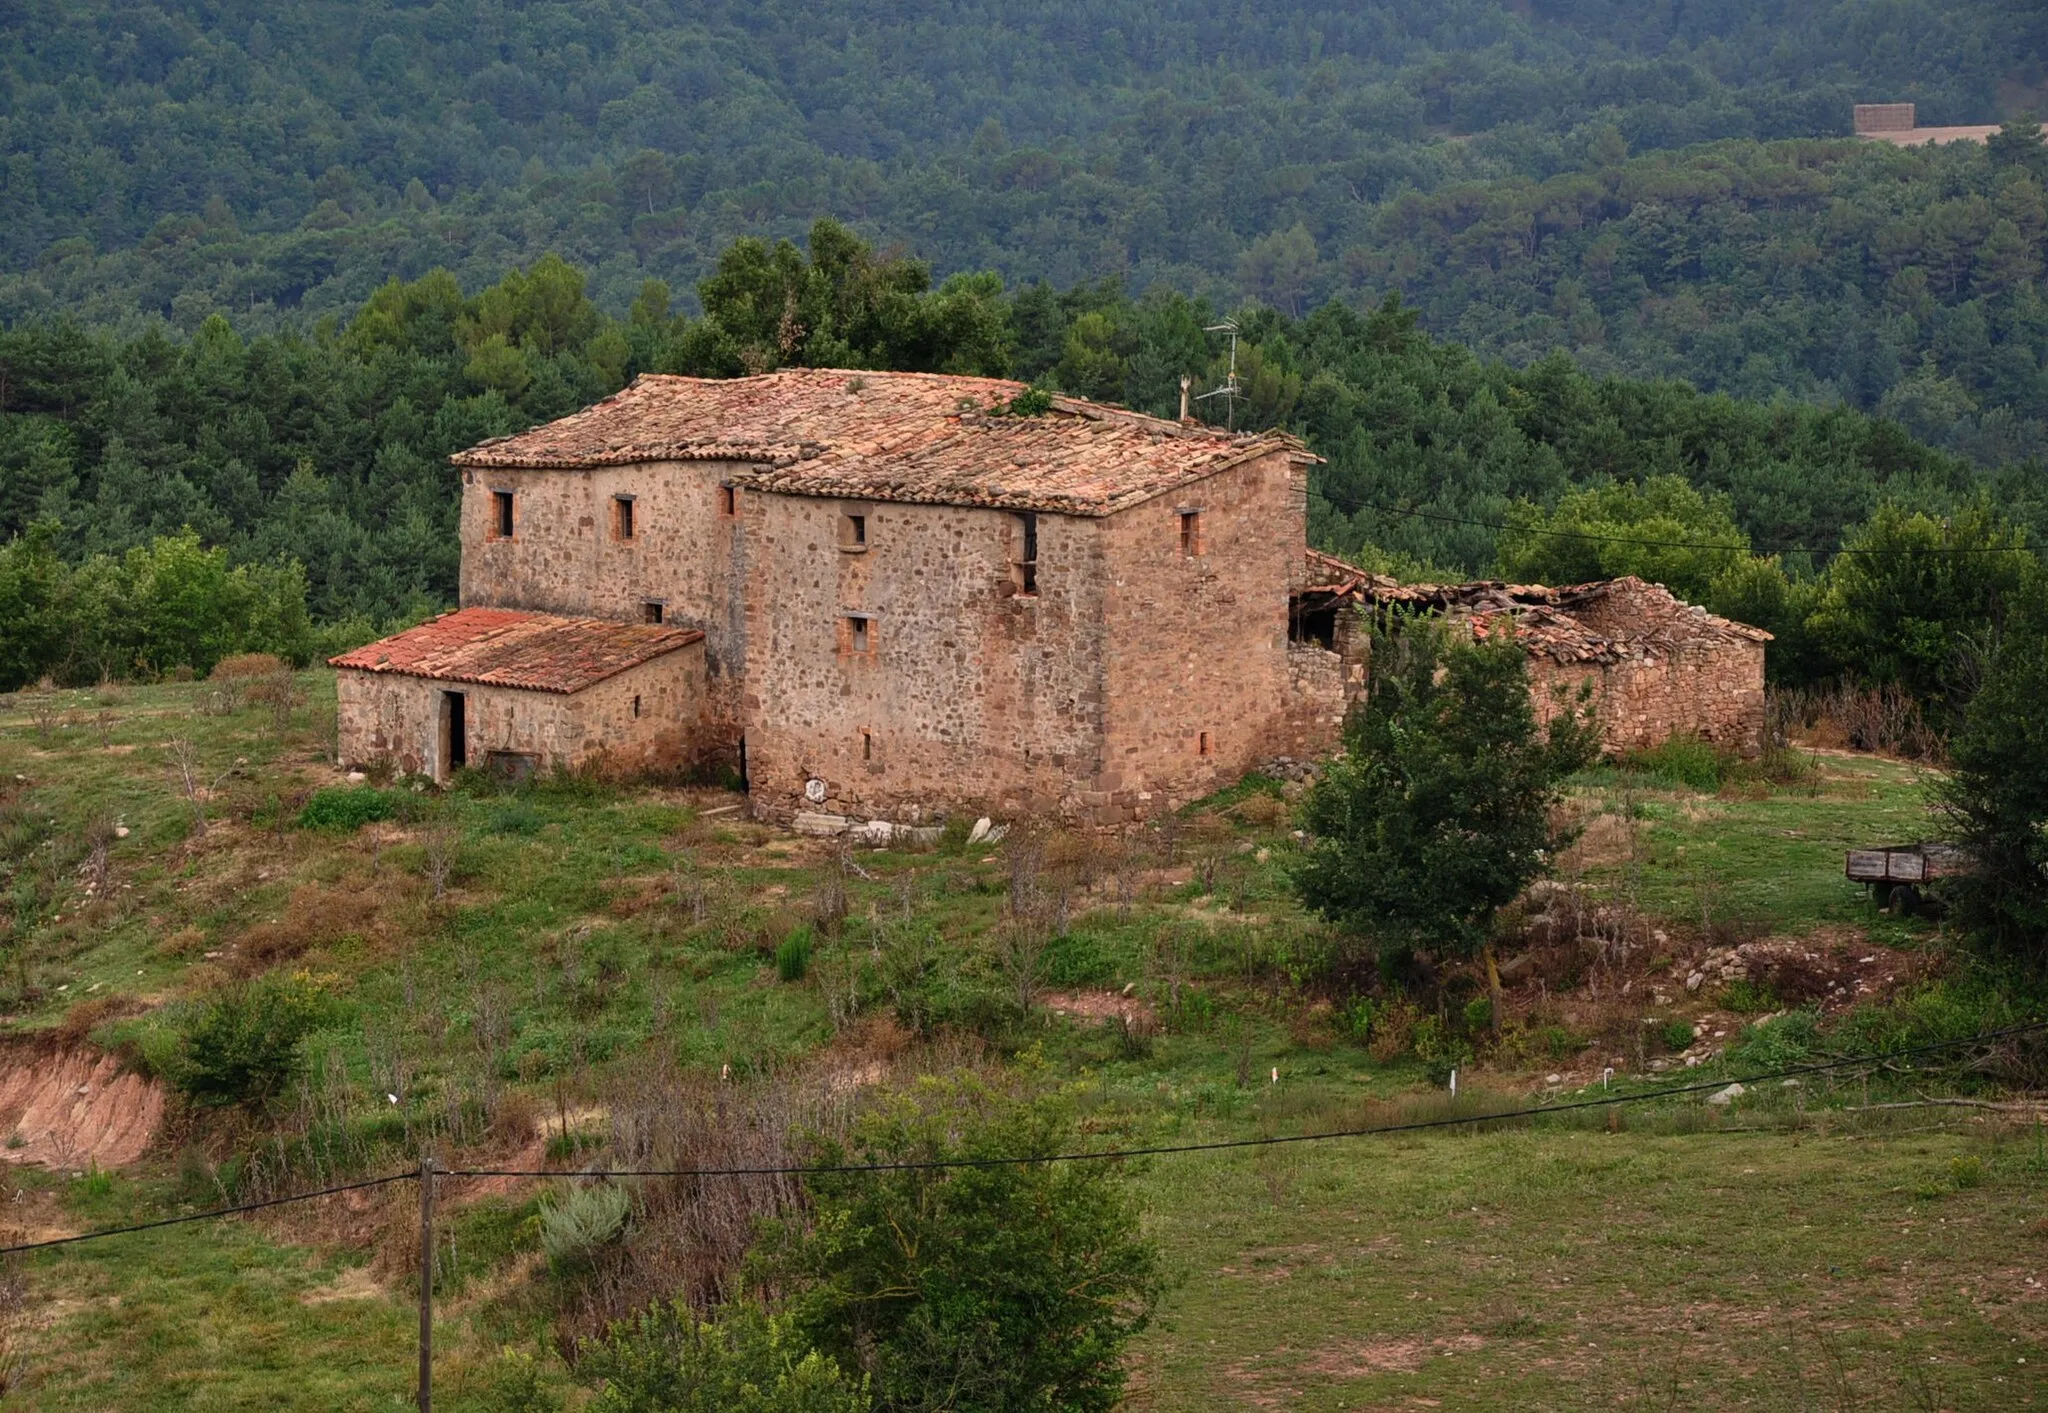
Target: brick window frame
[
  {"x": 625, "y": 522},
  {"x": 1192, "y": 542},
  {"x": 504, "y": 515},
  {"x": 857, "y": 635}
]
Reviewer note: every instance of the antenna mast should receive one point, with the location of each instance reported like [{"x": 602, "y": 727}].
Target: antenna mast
[{"x": 1231, "y": 390}]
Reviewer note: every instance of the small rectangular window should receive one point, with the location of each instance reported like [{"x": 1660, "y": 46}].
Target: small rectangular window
[
  {"x": 867, "y": 745},
  {"x": 728, "y": 500},
  {"x": 1027, "y": 557},
  {"x": 853, "y": 532},
  {"x": 501, "y": 515},
  {"x": 857, "y": 634},
  {"x": 651, "y": 611},
  {"x": 1203, "y": 745},
  {"x": 636, "y": 706},
  {"x": 622, "y": 517},
  {"x": 1191, "y": 532}
]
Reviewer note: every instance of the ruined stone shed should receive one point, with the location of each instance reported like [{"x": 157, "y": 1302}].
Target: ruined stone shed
[{"x": 1657, "y": 666}]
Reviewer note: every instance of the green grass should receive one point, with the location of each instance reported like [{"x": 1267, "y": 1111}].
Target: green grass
[{"x": 578, "y": 929}]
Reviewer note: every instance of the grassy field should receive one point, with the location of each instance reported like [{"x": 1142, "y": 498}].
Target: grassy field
[{"x": 499, "y": 962}]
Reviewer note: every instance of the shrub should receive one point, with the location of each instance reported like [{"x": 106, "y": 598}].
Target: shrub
[
  {"x": 1011, "y": 1286},
  {"x": 247, "y": 667},
  {"x": 343, "y": 810},
  {"x": 1746, "y": 996},
  {"x": 1676, "y": 1035},
  {"x": 1777, "y": 1044},
  {"x": 244, "y": 1046},
  {"x": 1966, "y": 1170},
  {"x": 1685, "y": 761},
  {"x": 577, "y": 1223},
  {"x": 744, "y": 1360},
  {"x": 793, "y": 957},
  {"x": 1439, "y": 1050}
]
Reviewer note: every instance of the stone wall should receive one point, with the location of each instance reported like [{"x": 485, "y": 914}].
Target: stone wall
[
  {"x": 565, "y": 557},
  {"x": 968, "y": 694},
  {"x": 1197, "y": 681},
  {"x": 645, "y": 717},
  {"x": 1713, "y": 689}
]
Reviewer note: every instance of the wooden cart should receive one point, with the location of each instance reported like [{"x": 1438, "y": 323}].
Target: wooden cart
[{"x": 1898, "y": 874}]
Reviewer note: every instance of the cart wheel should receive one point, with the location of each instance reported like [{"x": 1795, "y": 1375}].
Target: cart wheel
[{"x": 1906, "y": 900}]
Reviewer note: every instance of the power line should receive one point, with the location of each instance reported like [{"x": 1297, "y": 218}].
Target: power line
[
  {"x": 206, "y": 1216},
  {"x": 1502, "y": 528},
  {"x": 1605, "y": 1101}
]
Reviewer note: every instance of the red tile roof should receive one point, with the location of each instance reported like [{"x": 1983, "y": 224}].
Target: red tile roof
[
  {"x": 922, "y": 437},
  {"x": 500, "y": 647}
]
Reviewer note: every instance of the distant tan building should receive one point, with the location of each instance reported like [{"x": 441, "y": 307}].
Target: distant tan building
[
  {"x": 881, "y": 597},
  {"x": 1897, "y": 124}
]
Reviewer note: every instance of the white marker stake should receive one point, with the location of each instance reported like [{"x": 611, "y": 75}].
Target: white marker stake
[{"x": 1454, "y": 1084}]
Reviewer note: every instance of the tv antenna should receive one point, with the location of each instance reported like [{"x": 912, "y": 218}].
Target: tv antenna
[{"x": 1231, "y": 390}]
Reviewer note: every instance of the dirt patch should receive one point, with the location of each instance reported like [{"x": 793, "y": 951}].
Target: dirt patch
[
  {"x": 1097, "y": 1005},
  {"x": 1387, "y": 1356},
  {"x": 355, "y": 1283},
  {"x": 67, "y": 1108}
]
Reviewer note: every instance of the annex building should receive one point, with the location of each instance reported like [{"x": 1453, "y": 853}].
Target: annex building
[{"x": 881, "y": 596}]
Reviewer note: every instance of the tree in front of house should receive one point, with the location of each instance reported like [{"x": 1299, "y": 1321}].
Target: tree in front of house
[
  {"x": 1995, "y": 797},
  {"x": 1438, "y": 811}
]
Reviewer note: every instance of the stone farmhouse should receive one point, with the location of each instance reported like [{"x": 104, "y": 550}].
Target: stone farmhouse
[{"x": 881, "y": 597}]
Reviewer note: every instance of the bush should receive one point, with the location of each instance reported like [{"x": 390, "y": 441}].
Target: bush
[
  {"x": 744, "y": 1360},
  {"x": 244, "y": 1046},
  {"x": 1012, "y": 1286},
  {"x": 1685, "y": 761},
  {"x": 1776, "y": 1044},
  {"x": 246, "y": 667},
  {"x": 343, "y": 810},
  {"x": 1676, "y": 1034},
  {"x": 577, "y": 1223},
  {"x": 793, "y": 957}
]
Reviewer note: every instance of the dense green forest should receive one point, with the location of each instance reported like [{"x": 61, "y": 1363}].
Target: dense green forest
[
  {"x": 323, "y": 453},
  {"x": 1529, "y": 174}
]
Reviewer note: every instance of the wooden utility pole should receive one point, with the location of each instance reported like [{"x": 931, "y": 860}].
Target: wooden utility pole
[{"x": 427, "y": 1285}]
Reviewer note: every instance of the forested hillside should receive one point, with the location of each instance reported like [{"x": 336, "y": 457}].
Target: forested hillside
[
  {"x": 327, "y": 451},
  {"x": 279, "y": 162}
]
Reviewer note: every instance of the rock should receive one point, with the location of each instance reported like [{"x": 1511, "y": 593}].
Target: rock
[
  {"x": 1693, "y": 982},
  {"x": 1553, "y": 1079},
  {"x": 120, "y": 831},
  {"x": 1262, "y": 855},
  {"x": 1724, "y": 1097},
  {"x": 809, "y": 822},
  {"x": 979, "y": 834},
  {"x": 1792, "y": 1084},
  {"x": 1659, "y": 1066},
  {"x": 1517, "y": 967},
  {"x": 356, "y": 777}
]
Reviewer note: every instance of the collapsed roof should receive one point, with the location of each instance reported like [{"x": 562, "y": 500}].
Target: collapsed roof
[
  {"x": 1605, "y": 621},
  {"x": 919, "y": 437}
]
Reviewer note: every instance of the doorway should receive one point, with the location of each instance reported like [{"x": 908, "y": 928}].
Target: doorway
[{"x": 454, "y": 732}]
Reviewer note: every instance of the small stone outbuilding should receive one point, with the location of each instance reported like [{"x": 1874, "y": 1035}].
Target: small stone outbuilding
[{"x": 1657, "y": 666}]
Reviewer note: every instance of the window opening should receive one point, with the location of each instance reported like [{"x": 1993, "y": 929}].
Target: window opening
[
  {"x": 1202, "y": 745},
  {"x": 1313, "y": 621},
  {"x": 858, "y": 637},
  {"x": 501, "y": 511},
  {"x": 867, "y": 745},
  {"x": 728, "y": 500},
  {"x": 651, "y": 611},
  {"x": 622, "y": 517},
  {"x": 1191, "y": 532},
  {"x": 1027, "y": 562},
  {"x": 636, "y": 706},
  {"x": 853, "y": 532}
]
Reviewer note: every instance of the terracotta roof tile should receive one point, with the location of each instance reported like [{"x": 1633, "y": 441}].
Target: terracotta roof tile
[
  {"x": 498, "y": 647},
  {"x": 921, "y": 437}
]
